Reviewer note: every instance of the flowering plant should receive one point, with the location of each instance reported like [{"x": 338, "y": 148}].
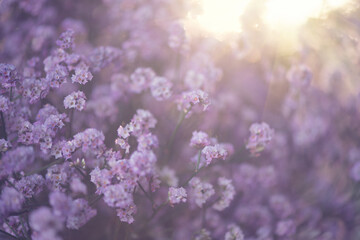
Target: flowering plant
[{"x": 118, "y": 122}]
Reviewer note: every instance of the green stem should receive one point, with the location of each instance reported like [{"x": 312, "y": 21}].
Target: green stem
[
  {"x": 12, "y": 229},
  {"x": 8, "y": 234},
  {"x": 191, "y": 177},
  {"x": 198, "y": 161}
]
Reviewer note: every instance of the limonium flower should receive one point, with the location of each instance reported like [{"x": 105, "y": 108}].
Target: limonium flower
[
  {"x": 177, "y": 195},
  {"x": 234, "y": 233},
  {"x": 260, "y": 136},
  {"x": 75, "y": 100}
]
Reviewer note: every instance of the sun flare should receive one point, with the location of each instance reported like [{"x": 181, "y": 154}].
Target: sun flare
[{"x": 223, "y": 16}]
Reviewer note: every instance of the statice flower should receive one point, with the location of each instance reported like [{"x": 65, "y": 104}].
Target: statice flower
[
  {"x": 227, "y": 194},
  {"x": 203, "y": 235},
  {"x": 168, "y": 176},
  {"x": 261, "y": 135},
  {"x": 77, "y": 186},
  {"x": 117, "y": 196},
  {"x": 4, "y": 104},
  {"x": 285, "y": 228},
  {"x": 82, "y": 75},
  {"x": 80, "y": 214},
  {"x": 199, "y": 139},
  {"x": 141, "y": 80},
  {"x": 101, "y": 178},
  {"x": 355, "y": 172},
  {"x": 57, "y": 76},
  {"x": 299, "y": 76},
  {"x": 126, "y": 214},
  {"x": 31, "y": 185},
  {"x": 281, "y": 206},
  {"x": 75, "y": 100},
  {"x": 44, "y": 224},
  {"x": 8, "y": 75},
  {"x": 66, "y": 39},
  {"x": 34, "y": 89},
  {"x": 4, "y": 145},
  {"x": 200, "y": 191},
  {"x": 234, "y": 233},
  {"x": 142, "y": 162},
  {"x": 217, "y": 151},
  {"x": 103, "y": 56},
  {"x": 161, "y": 88},
  {"x": 61, "y": 204},
  {"x": 16, "y": 160},
  {"x": 177, "y": 195},
  {"x": 11, "y": 200},
  {"x": 190, "y": 99}
]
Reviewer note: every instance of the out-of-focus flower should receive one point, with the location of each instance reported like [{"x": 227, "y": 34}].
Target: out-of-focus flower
[
  {"x": 177, "y": 195},
  {"x": 260, "y": 136}
]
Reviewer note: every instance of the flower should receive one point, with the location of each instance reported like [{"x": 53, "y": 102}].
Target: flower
[
  {"x": 82, "y": 75},
  {"x": 199, "y": 139},
  {"x": 177, "y": 195},
  {"x": 193, "y": 98},
  {"x": 234, "y": 233},
  {"x": 141, "y": 78},
  {"x": 201, "y": 191},
  {"x": 66, "y": 39},
  {"x": 161, "y": 88},
  {"x": 260, "y": 136},
  {"x": 75, "y": 100},
  {"x": 227, "y": 194}
]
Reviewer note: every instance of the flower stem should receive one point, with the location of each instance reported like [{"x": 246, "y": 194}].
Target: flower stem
[
  {"x": 71, "y": 116},
  {"x": 146, "y": 194},
  {"x": 45, "y": 167},
  {"x": 181, "y": 119},
  {"x": 198, "y": 161},
  {"x": 3, "y": 127}
]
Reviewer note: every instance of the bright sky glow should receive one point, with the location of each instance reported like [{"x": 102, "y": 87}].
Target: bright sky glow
[{"x": 223, "y": 16}]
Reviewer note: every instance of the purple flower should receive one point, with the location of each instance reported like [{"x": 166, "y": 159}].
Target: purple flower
[
  {"x": 80, "y": 214},
  {"x": 117, "y": 196},
  {"x": 261, "y": 135},
  {"x": 161, "y": 88},
  {"x": 199, "y": 139},
  {"x": 234, "y": 233},
  {"x": 66, "y": 39},
  {"x": 177, "y": 195},
  {"x": 75, "y": 100},
  {"x": 82, "y": 75},
  {"x": 44, "y": 224}
]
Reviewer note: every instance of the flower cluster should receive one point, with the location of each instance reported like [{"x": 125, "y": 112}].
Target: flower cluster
[{"x": 120, "y": 119}]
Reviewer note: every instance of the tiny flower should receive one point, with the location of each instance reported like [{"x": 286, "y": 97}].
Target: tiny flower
[
  {"x": 199, "y": 139},
  {"x": 141, "y": 79},
  {"x": 4, "y": 145},
  {"x": 285, "y": 228},
  {"x": 75, "y": 100},
  {"x": 161, "y": 88},
  {"x": 260, "y": 136},
  {"x": 227, "y": 194},
  {"x": 66, "y": 39},
  {"x": 214, "y": 152},
  {"x": 82, "y": 75},
  {"x": 177, "y": 195},
  {"x": 201, "y": 191},
  {"x": 355, "y": 172},
  {"x": 4, "y": 104},
  {"x": 190, "y": 99},
  {"x": 234, "y": 233}
]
